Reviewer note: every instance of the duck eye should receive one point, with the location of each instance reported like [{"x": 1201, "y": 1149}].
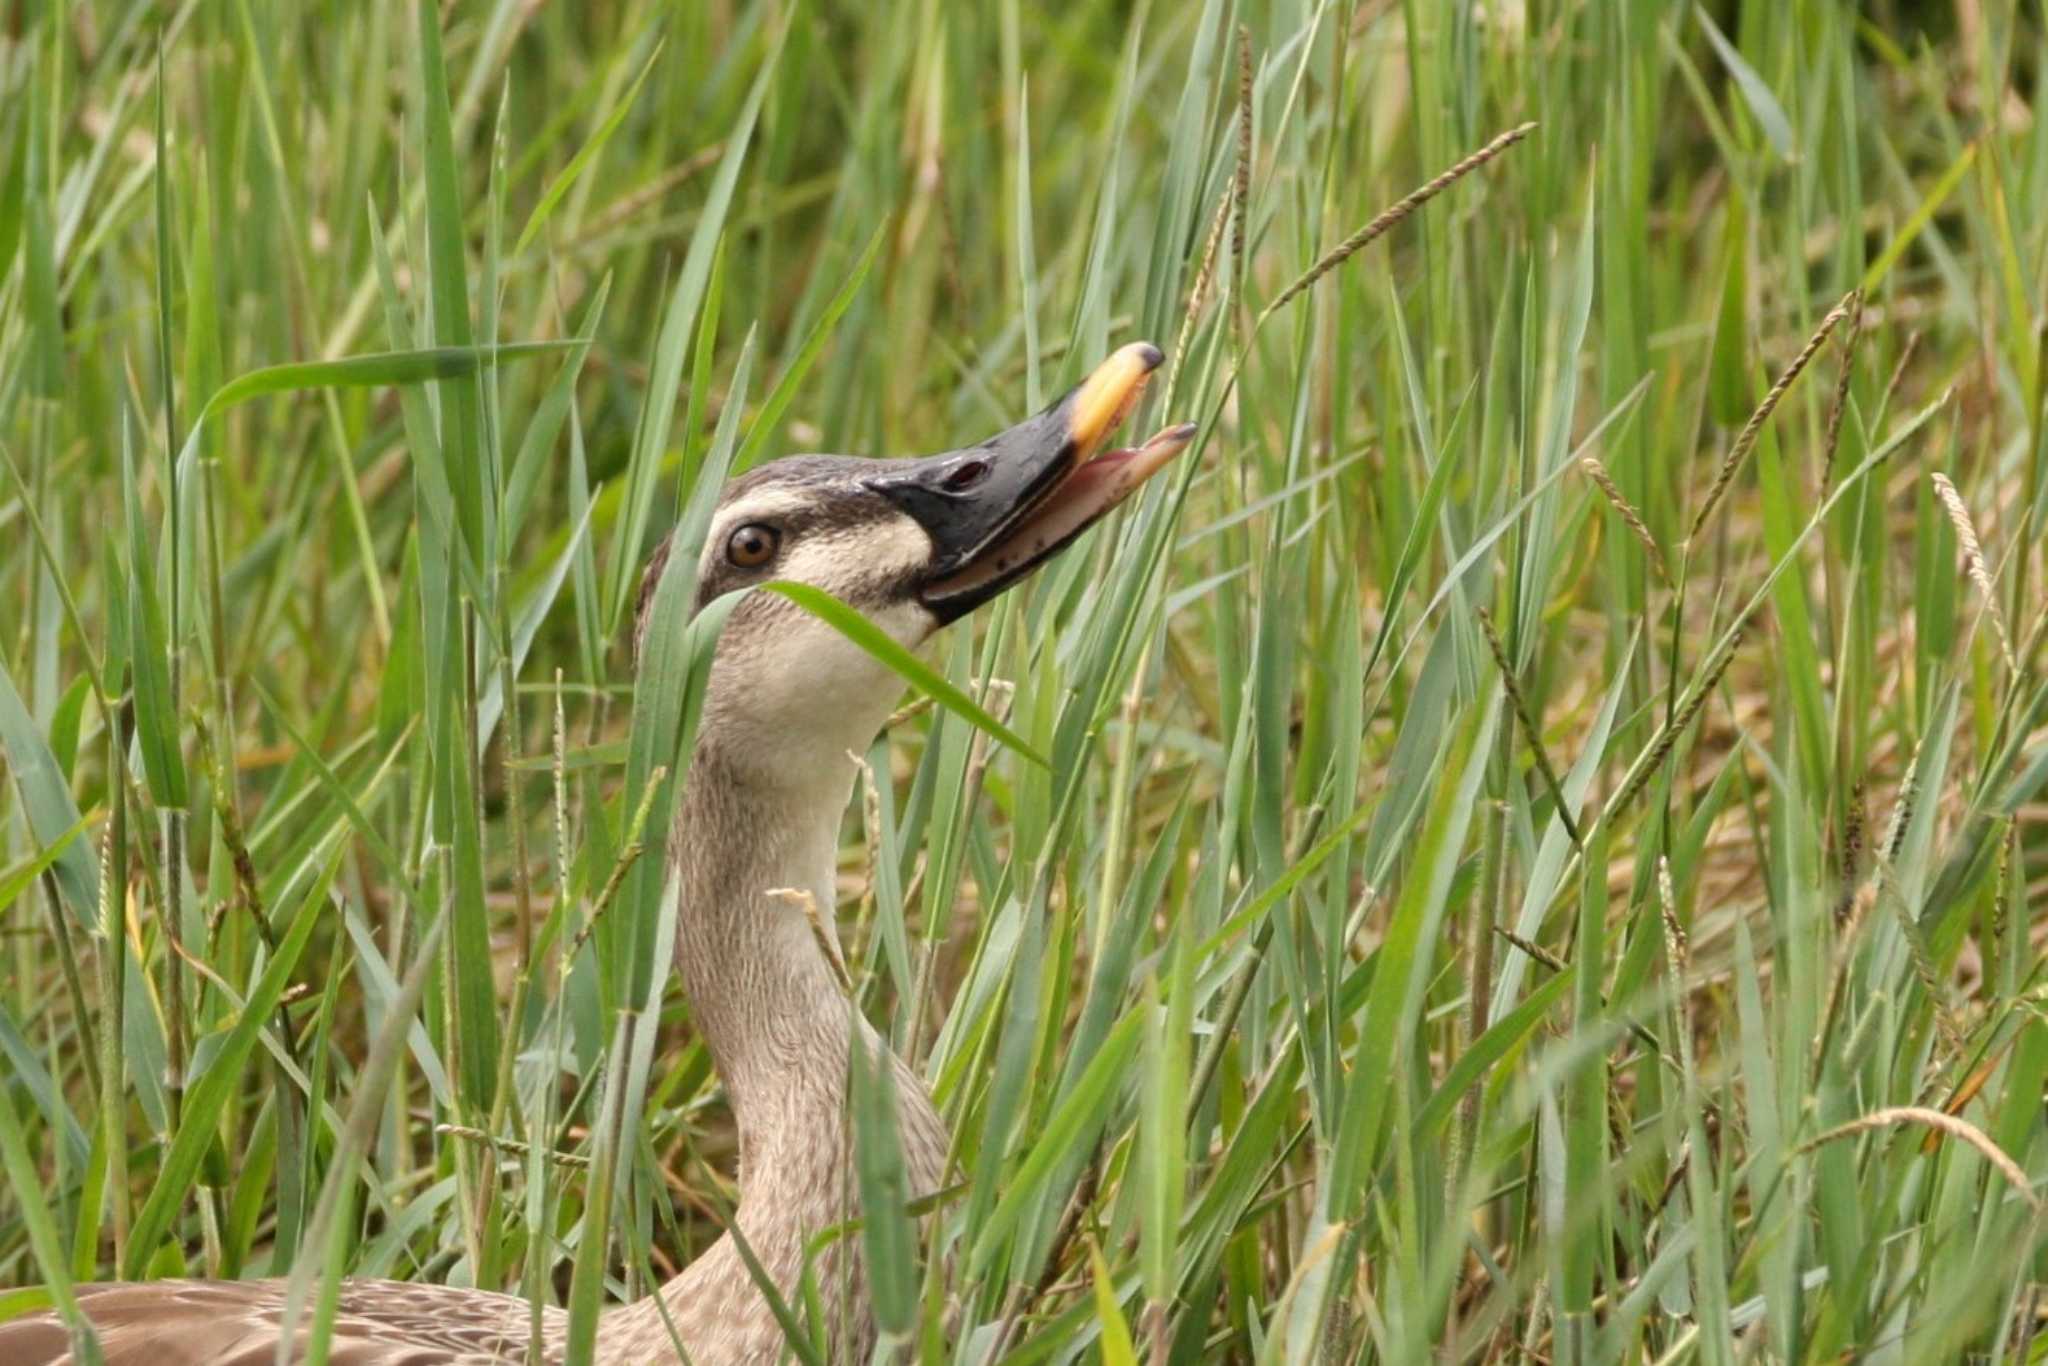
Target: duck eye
[
  {"x": 966, "y": 475},
  {"x": 752, "y": 546}
]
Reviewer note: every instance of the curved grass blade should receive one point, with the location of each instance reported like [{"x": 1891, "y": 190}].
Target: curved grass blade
[
  {"x": 19, "y": 881},
  {"x": 580, "y": 163},
  {"x": 47, "y": 801},
  {"x": 1478, "y": 1060},
  {"x": 900, "y": 661},
  {"x": 814, "y": 342},
  {"x": 378, "y": 367},
  {"x": 679, "y": 320},
  {"x": 27, "y": 1180},
  {"x": 156, "y": 705}
]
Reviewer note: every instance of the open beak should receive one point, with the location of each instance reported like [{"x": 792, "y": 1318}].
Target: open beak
[{"x": 998, "y": 510}]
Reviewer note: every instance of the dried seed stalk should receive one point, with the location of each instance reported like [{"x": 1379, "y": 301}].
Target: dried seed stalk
[
  {"x": 1534, "y": 950},
  {"x": 1840, "y": 403},
  {"x": 1973, "y": 563},
  {"x": 1852, "y": 854},
  {"x": 1959, "y": 1129},
  {"x": 1746, "y": 439},
  {"x": 1529, "y": 729},
  {"x": 1891, "y": 386},
  {"x": 1922, "y": 958},
  {"x": 1631, "y": 518},
  {"x": 510, "y": 1145},
  {"x": 635, "y": 846},
  {"x": 1680, "y": 944},
  {"x": 806, "y": 901},
  {"x": 1667, "y": 737},
  {"x": 1197, "y": 296},
  {"x": 1241, "y": 189},
  {"x": 1394, "y": 213}
]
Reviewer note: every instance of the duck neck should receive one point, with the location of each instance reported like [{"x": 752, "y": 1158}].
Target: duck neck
[{"x": 756, "y": 865}]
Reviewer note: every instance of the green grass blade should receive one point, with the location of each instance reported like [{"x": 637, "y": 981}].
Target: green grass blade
[
  {"x": 585, "y": 157},
  {"x": 907, "y": 666},
  {"x": 208, "y": 1095}
]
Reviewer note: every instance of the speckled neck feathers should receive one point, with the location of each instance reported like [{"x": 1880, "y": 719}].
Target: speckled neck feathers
[{"x": 749, "y": 849}]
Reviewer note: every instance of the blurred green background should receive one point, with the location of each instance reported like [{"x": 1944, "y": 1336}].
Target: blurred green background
[{"x": 1483, "y": 905}]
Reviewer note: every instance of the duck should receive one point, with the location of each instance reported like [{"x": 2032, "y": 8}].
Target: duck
[{"x": 914, "y": 544}]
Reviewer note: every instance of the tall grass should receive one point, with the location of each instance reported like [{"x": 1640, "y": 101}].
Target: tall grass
[{"x": 1541, "y": 826}]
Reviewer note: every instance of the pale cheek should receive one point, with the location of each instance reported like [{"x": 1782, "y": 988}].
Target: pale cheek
[
  {"x": 811, "y": 694},
  {"x": 907, "y": 623},
  {"x": 823, "y": 669}
]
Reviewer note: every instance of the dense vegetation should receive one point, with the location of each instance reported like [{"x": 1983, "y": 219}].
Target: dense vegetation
[{"x": 1544, "y": 817}]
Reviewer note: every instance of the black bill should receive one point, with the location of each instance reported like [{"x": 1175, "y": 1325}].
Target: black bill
[{"x": 998, "y": 510}]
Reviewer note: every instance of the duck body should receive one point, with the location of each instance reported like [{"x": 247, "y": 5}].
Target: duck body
[
  {"x": 913, "y": 545},
  {"x": 239, "y": 1323}
]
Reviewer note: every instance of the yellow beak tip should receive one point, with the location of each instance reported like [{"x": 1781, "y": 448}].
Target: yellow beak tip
[{"x": 1109, "y": 393}]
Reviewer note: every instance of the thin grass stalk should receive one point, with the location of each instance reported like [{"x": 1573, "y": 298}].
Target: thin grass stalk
[
  {"x": 1854, "y": 907},
  {"x": 629, "y": 853},
  {"x": 1197, "y": 296},
  {"x": 291, "y": 1118},
  {"x": 1122, "y": 783},
  {"x": 540, "y": 1231},
  {"x": 979, "y": 754},
  {"x": 1942, "y": 1123},
  {"x": 1973, "y": 564},
  {"x": 870, "y": 794},
  {"x": 593, "y": 1255},
  {"x": 1838, "y": 405},
  {"x": 1241, "y": 179},
  {"x": 509, "y": 728},
  {"x": 1391, "y": 216},
  {"x": 1668, "y": 735},
  {"x": 113, "y": 967},
  {"x": 1531, "y": 731},
  {"x": 27, "y": 498},
  {"x": 519, "y": 1147},
  {"x": 503, "y": 1100},
  {"x": 1746, "y": 439},
  {"x": 67, "y": 959},
  {"x": 1533, "y": 949},
  {"x": 564, "y": 861},
  {"x": 330, "y": 1213},
  {"x": 481, "y": 1177},
  {"x": 1494, "y": 888},
  {"x": 1921, "y": 956},
  {"x": 2036, "y": 480},
  {"x": 174, "y": 829},
  {"x": 1630, "y": 517},
  {"x": 1677, "y": 963},
  {"x": 1899, "y": 368}
]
